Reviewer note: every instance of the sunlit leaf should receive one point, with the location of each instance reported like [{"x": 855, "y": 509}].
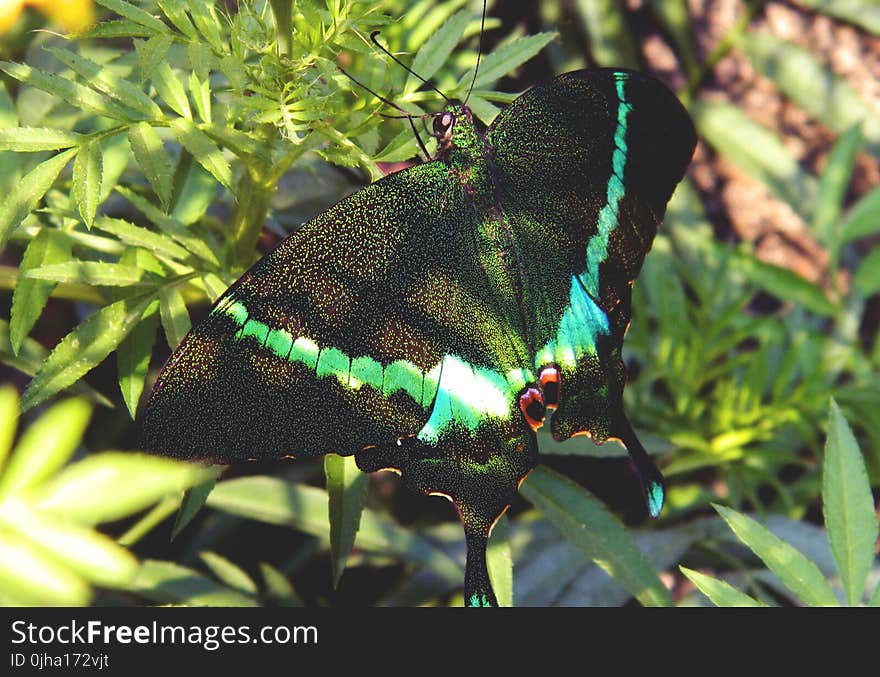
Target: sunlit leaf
[
  {"x": 84, "y": 348},
  {"x": 46, "y": 446},
  {"x": 112, "y": 485},
  {"x": 31, "y": 189},
  {"x": 30, "y": 295},
  {"x": 720, "y": 592},
  {"x": 88, "y": 171},
  {"x": 347, "y": 492},
  {"x": 798, "y": 573},
  {"x": 133, "y": 359},
  {"x": 848, "y": 506}
]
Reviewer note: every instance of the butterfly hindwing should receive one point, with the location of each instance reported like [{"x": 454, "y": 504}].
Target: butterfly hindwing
[{"x": 585, "y": 165}]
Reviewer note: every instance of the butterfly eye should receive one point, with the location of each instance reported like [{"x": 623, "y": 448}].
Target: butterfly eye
[
  {"x": 443, "y": 124},
  {"x": 531, "y": 403},
  {"x": 550, "y": 385}
]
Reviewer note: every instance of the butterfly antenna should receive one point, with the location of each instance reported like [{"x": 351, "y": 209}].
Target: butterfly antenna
[
  {"x": 403, "y": 65},
  {"x": 479, "y": 54},
  {"x": 406, "y": 115}
]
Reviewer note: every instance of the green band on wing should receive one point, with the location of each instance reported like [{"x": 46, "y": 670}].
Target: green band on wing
[
  {"x": 452, "y": 389},
  {"x": 467, "y": 395},
  {"x": 597, "y": 248},
  {"x": 579, "y": 328}
]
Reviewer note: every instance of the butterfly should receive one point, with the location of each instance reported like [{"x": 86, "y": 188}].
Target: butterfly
[{"x": 430, "y": 323}]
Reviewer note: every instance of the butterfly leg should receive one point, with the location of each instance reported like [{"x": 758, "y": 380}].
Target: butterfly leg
[
  {"x": 478, "y": 590},
  {"x": 649, "y": 475}
]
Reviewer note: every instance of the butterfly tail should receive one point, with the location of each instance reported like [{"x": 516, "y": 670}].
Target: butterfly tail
[
  {"x": 649, "y": 475},
  {"x": 477, "y": 587}
]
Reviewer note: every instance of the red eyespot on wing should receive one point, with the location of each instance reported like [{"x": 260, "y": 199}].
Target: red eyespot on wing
[
  {"x": 550, "y": 384},
  {"x": 531, "y": 403}
]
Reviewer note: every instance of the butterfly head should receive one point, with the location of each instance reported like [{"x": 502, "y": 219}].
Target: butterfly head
[{"x": 444, "y": 125}]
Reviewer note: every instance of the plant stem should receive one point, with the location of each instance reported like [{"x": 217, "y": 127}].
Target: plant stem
[
  {"x": 282, "y": 11},
  {"x": 252, "y": 206}
]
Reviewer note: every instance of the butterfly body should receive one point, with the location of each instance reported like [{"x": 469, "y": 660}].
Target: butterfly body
[{"x": 428, "y": 323}]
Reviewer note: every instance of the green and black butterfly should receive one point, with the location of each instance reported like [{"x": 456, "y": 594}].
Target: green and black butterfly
[{"x": 426, "y": 323}]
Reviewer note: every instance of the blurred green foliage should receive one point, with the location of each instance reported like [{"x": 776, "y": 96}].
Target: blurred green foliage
[{"x": 141, "y": 161}]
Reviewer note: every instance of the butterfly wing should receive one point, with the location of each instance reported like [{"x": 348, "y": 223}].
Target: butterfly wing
[
  {"x": 585, "y": 165},
  {"x": 373, "y": 331}
]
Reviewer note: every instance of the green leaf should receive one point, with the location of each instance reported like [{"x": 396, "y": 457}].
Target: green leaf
[
  {"x": 94, "y": 273},
  {"x": 32, "y": 139},
  {"x": 169, "y": 583},
  {"x": 88, "y": 169},
  {"x": 848, "y": 506},
  {"x": 795, "y": 571},
  {"x": 204, "y": 16},
  {"x": 812, "y": 85},
  {"x": 175, "y": 10},
  {"x": 31, "y": 189},
  {"x": 115, "y": 484},
  {"x": 275, "y": 501},
  {"x": 228, "y": 573},
  {"x": 8, "y": 421},
  {"x": 8, "y": 114},
  {"x": 861, "y": 220},
  {"x": 864, "y": 13},
  {"x": 151, "y": 53},
  {"x": 153, "y": 160},
  {"x": 238, "y": 142},
  {"x": 499, "y": 561},
  {"x": 133, "y": 359},
  {"x": 171, "y": 90},
  {"x": 874, "y": 602},
  {"x": 346, "y": 493},
  {"x": 588, "y": 525},
  {"x": 169, "y": 224},
  {"x": 49, "y": 246},
  {"x": 30, "y": 359},
  {"x": 194, "y": 499},
  {"x": 833, "y": 184},
  {"x": 278, "y": 587},
  {"x": 108, "y": 82},
  {"x": 46, "y": 445},
  {"x": 605, "y": 25},
  {"x": 77, "y": 95},
  {"x": 203, "y": 150},
  {"x": 758, "y": 151},
  {"x": 784, "y": 284},
  {"x": 719, "y": 592},
  {"x": 867, "y": 277},
  {"x": 130, "y": 234},
  {"x": 36, "y": 578},
  {"x": 507, "y": 58},
  {"x": 134, "y": 14},
  {"x": 92, "y": 555},
  {"x": 117, "y": 155},
  {"x": 437, "y": 49},
  {"x": 201, "y": 96},
  {"x": 175, "y": 316},
  {"x": 84, "y": 348},
  {"x": 120, "y": 28}
]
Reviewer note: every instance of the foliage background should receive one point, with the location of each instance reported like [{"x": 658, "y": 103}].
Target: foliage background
[{"x": 145, "y": 163}]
